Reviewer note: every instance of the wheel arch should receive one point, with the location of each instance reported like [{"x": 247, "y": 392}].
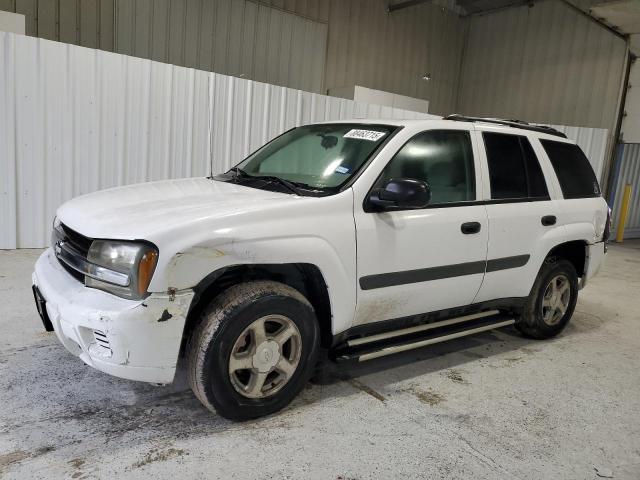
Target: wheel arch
[
  {"x": 304, "y": 277},
  {"x": 575, "y": 251}
]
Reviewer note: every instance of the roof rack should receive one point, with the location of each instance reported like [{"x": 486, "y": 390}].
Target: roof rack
[{"x": 508, "y": 123}]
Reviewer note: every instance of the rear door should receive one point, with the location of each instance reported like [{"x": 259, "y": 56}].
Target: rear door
[
  {"x": 584, "y": 209},
  {"x": 524, "y": 214}
]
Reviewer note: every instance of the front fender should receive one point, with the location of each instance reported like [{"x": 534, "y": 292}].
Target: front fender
[{"x": 189, "y": 267}]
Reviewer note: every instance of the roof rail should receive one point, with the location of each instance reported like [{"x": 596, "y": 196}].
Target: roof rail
[{"x": 508, "y": 123}]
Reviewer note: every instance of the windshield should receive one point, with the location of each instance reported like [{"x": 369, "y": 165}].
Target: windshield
[{"x": 316, "y": 156}]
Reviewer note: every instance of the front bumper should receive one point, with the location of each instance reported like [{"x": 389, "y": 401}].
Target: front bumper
[{"x": 134, "y": 339}]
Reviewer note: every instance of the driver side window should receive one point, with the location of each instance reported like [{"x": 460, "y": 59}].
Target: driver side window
[{"x": 443, "y": 159}]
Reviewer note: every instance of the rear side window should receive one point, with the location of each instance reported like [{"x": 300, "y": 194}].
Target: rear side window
[
  {"x": 514, "y": 170},
  {"x": 573, "y": 170}
]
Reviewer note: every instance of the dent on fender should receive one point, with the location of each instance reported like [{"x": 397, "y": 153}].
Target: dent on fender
[{"x": 186, "y": 268}]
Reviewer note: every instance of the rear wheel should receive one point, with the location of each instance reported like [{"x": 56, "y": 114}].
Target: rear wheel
[
  {"x": 254, "y": 350},
  {"x": 552, "y": 300}
]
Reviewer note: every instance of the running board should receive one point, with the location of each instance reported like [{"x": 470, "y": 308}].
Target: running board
[
  {"x": 398, "y": 341},
  {"x": 420, "y": 328}
]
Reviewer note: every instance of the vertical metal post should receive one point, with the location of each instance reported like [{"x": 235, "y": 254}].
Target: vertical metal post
[{"x": 624, "y": 211}]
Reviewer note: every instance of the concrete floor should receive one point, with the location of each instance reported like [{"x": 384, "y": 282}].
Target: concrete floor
[{"x": 491, "y": 406}]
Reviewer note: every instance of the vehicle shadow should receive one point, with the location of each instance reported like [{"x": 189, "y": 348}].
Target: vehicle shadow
[{"x": 456, "y": 353}]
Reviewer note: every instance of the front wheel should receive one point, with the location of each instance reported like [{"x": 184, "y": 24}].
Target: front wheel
[
  {"x": 552, "y": 300},
  {"x": 254, "y": 350}
]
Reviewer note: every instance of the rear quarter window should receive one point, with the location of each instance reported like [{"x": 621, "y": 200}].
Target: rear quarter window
[{"x": 573, "y": 170}]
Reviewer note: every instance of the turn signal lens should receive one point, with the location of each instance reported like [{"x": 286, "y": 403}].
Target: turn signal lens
[{"x": 145, "y": 270}]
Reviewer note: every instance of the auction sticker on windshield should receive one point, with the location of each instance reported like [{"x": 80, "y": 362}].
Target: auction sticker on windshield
[{"x": 370, "y": 135}]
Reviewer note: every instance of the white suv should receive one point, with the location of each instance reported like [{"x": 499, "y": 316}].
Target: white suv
[{"x": 364, "y": 238}]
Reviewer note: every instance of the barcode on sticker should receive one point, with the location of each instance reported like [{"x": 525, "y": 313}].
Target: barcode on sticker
[{"x": 370, "y": 135}]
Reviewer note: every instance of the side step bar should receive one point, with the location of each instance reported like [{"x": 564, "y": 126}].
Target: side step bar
[
  {"x": 420, "y": 328},
  {"x": 375, "y": 346}
]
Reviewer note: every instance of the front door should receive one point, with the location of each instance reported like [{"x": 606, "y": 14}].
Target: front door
[{"x": 417, "y": 261}]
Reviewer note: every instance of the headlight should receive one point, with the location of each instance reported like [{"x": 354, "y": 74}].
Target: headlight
[{"x": 122, "y": 268}]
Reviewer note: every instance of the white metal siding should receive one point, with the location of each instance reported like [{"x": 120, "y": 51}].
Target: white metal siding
[{"x": 74, "y": 120}]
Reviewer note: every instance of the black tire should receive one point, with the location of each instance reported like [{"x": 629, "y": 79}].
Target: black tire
[
  {"x": 223, "y": 322},
  {"x": 532, "y": 323}
]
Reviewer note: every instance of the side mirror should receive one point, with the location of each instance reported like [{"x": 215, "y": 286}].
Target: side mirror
[{"x": 400, "y": 194}]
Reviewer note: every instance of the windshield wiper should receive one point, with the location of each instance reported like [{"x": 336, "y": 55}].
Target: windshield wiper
[
  {"x": 273, "y": 179},
  {"x": 240, "y": 173}
]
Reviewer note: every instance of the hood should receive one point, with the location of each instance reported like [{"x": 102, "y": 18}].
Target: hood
[{"x": 143, "y": 210}]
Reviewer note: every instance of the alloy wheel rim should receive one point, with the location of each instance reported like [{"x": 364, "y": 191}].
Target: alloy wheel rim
[
  {"x": 555, "y": 300},
  {"x": 265, "y": 356}
]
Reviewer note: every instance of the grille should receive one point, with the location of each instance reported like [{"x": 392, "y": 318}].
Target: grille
[{"x": 78, "y": 242}]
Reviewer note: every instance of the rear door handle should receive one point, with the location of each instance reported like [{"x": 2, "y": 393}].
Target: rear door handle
[
  {"x": 470, "y": 227},
  {"x": 548, "y": 220}
]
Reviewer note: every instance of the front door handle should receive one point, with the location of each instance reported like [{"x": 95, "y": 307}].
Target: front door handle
[
  {"x": 548, "y": 220},
  {"x": 470, "y": 227}
]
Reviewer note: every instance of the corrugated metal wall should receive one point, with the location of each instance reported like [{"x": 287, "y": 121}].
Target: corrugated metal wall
[
  {"x": 75, "y": 120},
  {"x": 391, "y": 52},
  {"x": 364, "y": 45},
  {"x": 545, "y": 63},
  {"x": 368, "y": 46},
  {"x": 536, "y": 63},
  {"x": 87, "y": 22},
  {"x": 542, "y": 64},
  {"x": 233, "y": 37},
  {"x": 628, "y": 171}
]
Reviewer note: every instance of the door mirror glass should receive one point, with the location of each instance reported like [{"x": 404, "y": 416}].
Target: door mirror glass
[{"x": 401, "y": 194}]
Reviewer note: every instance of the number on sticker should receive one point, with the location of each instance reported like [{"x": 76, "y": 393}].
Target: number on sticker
[{"x": 370, "y": 135}]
